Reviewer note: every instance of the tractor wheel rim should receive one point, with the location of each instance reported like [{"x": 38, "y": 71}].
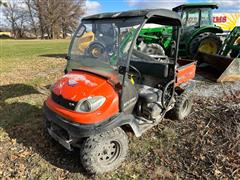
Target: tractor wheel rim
[
  {"x": 208, "y": 47},
  {"x": 109, "y": 152}
]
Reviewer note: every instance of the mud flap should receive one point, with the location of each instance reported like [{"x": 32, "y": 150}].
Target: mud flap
[{"x": 232, "y": 72}]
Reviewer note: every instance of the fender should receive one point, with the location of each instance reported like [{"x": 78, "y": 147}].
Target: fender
[{"x": 205, "y": 29}]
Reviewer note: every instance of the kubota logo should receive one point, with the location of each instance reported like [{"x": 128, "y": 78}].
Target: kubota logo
[{"x": 72, "y": 82}]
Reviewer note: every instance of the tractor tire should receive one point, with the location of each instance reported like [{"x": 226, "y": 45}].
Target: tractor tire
[
  {"x": 235, "y": 53},
  {"x": 203, "y": 41},
  {"x": 154, "y": 49},
  {"x": 183, "y": 106},
  {"x": 104, "y": 152}
]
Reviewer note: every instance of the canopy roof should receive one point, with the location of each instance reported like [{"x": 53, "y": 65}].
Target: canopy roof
[
  {"x": 196, "y": 5},
  {"x": 158, "y": 16}
]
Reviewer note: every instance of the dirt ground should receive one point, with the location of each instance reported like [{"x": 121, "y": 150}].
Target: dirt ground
[{"x": 206, "y": 145}]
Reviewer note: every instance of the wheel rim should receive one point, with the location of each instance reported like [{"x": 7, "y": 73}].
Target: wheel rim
[
  {"x": 96, "y": 52},
  {"x": 208, "y": 46},
  {"x": 185, "y": 107},
  {"x": 109, "y": 152}
]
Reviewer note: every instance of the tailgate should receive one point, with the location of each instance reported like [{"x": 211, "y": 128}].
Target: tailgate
[{"x": 185, "y": 71}]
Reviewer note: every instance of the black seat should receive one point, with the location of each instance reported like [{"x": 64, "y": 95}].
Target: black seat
[{"x": 148, "y": 65}]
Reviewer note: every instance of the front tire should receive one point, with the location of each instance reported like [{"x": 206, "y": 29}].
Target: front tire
[
  {"x": 183, "y": 106},
  {"x": 104, "y": 152},
  {"x": 206, "y": 42}
]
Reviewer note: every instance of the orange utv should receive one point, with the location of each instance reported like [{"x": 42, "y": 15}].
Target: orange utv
[{"x": 112, "y": 84}]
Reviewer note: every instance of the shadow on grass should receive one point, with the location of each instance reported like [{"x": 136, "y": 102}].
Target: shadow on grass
[
  {"x": 54, "y": 55},
  {"x": 24, "y": 122}
]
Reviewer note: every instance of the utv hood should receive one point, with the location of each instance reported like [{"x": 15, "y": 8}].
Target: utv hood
[{"x": 77, "y": 85}]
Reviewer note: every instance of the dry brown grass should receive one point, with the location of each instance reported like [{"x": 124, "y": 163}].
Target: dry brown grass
[{"x": 204, "y": 146}]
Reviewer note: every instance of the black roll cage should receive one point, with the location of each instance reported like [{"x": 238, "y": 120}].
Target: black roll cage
[{"x": 178, "y": 29}]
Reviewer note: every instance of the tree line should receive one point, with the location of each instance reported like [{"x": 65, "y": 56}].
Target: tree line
[{"x": 43, "y": 18}]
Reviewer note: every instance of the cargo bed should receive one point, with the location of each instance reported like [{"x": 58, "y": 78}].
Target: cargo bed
[{"x": 186, "y": 70}]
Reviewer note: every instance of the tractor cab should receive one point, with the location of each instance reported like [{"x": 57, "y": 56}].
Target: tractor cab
[
  {"x": 199, "y": 32},
  {"x": 196, "y": 15}
]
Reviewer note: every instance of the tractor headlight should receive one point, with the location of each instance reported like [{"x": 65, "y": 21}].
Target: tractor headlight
[{"x": 90, "y": 104}]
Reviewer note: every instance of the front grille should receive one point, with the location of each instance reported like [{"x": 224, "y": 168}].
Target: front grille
[{"x": 64, "y": 102}]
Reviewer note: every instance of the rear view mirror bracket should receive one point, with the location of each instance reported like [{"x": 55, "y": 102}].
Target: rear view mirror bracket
[{"x": 67, "y": 58}]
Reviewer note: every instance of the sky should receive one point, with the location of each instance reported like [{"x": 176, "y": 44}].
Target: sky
[{"x": 99, "y": 6}]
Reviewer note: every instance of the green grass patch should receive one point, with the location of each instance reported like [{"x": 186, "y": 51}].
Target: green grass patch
[{"x": 26, "y": 49}]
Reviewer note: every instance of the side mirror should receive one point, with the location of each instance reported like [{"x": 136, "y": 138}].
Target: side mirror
[{"x": 67, "y": 58}]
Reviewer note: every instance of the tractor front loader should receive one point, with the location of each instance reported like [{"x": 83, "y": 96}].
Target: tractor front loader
[{"x": 227, "y": 61}]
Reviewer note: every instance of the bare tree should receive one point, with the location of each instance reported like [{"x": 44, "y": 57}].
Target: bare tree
[
  {"x": 39, "y": 7},
  {"x": 71, "y": 11},
  {"x": 3, "y": 4},
  {"x": 52, "y": 18},
  {"x": 32, "y": 15},
  {"x": 49, "y": 13},
  {"x": 16, "y": 16}
]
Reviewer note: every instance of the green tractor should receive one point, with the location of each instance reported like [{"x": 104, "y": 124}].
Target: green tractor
[{"x": 198, "y": 32}]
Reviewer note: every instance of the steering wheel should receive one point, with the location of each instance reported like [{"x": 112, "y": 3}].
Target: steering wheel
[
  {"x": 167, "y": 94},
  {"x": 139, "y": 75},
  {"x": 95, "y": 49}
]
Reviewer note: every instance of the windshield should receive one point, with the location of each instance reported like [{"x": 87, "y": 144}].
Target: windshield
[
  {"x": 206, "y": 16},
  {"x": 190, "y": 17},
  {"x": 103, "y": 45}
]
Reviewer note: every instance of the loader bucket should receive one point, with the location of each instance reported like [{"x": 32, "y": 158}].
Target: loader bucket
[
  {"x": 228, "y": 69},
  {"x": 232, "y": 73}
]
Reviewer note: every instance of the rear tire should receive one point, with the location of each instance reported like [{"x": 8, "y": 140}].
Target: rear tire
[
  {"x": 104, "y": 152},
  {"x": 203, "y": 38},
  {"x": 183, "y": 106}
]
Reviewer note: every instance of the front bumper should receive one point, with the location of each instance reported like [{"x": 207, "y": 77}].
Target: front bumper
[{"x": 72, "y": 132}]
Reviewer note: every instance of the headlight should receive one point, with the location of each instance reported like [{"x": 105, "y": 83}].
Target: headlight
[{"x": 90, "y": 104}]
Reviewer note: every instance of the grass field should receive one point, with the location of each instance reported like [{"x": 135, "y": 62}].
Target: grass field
[{"x": 198, "y": 147}]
